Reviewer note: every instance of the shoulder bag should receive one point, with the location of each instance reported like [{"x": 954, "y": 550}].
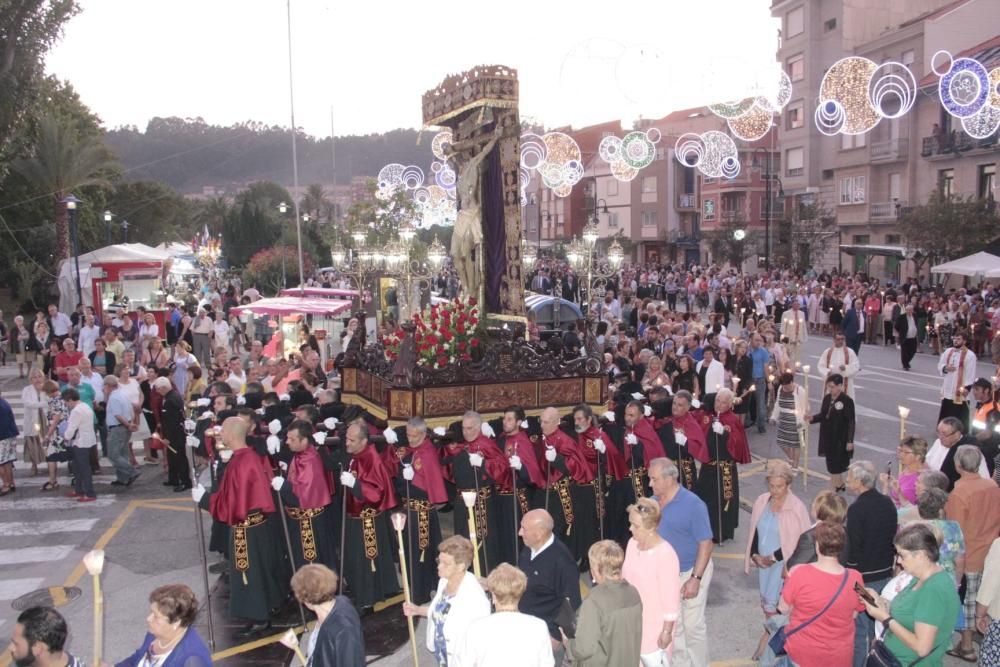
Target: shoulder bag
[{"x": 778, "y": 639}]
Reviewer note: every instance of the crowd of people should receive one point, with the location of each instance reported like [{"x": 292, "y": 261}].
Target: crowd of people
[{"x": 638, "y": 496}]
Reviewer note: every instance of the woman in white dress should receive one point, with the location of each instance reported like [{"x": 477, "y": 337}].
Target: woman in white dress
[
  {"x": 220, "y": 330},
  {"x": 183, "y": 359},
  {"x": 148, "y": 330},
  {"x": 130, "y": 386},
  {"x": 35, "y": 404}
]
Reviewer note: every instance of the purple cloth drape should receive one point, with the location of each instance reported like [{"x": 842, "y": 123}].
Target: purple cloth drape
[{"x": 494, "y": 231}]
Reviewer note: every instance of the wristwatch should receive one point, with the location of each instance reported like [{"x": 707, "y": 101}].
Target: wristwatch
[{"x": 696, "y": 576}]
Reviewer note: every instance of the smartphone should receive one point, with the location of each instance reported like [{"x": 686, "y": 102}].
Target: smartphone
[{"x": 863, "y": 594}]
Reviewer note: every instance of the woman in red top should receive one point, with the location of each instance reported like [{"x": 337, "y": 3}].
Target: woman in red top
[{"x": 829, "y": 640}]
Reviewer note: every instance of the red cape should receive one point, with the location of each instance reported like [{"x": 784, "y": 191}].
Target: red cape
[
  {"x": 652, "y": 447},
  {"x": 376, "y": 485},
  {"x": 614, "y": 462},
  {"x": 576, "y": 461},
  {"x": 246, "y": 485},
  {"x": 695, "y": 436},
  {"x": 427, "y": 472},
  {"x": 737, "y": 444},
  {"x": 309, "y": 481},
  {"x": 521, "y": 445}
]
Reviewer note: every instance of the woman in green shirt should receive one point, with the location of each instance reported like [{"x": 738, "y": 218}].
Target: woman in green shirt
[{"x": 921, "y": 617}]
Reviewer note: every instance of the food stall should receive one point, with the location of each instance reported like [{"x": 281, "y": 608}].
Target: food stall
[
  {"x": 325, "y": 318},
  {"x": 127, "y": 275}
]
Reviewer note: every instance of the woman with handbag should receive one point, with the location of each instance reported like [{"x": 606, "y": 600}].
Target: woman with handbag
[
  {"x": 820, "y": 600},
  {"x": 921, "y": 617}
]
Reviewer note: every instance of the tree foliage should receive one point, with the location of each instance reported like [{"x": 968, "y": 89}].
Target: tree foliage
[
  {"x": 723, "y": 244},
  {"x": 948, "y": 227},
  {"x": 265, "y": 269},
  {"x": 805, "y": 232}
]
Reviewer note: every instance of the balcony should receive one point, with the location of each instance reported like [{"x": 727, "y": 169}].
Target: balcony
[
  {"x": 956, "y": 143},
  {"x": 687, "y": 201},
  {"x": 733, "y": 216},
  {"x": 885, "y": 211},
  {"x": 889, "y": 151}
]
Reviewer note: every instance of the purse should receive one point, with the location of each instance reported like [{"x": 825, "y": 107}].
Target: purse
[
  {"x": 778, "y": 639},
  {"x": 880, "y": 656}
]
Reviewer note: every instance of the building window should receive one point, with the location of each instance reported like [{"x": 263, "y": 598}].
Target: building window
[
  {"x": 908, "y": 57},
  {"x": 861, "y": 239},
  {"x": 649, "y": 185},
  {"x": 796, "y": 67},
  {"x": 893, "y": 239},
  {"x": 946, "y": 182},
  {"x": 851, "y": 141},
  {"x": 613, "y": 187},
  {"x": 830, "y": 25},
  {"x": 827, "y": 174},
  {"x": 895, "y": 181},
  {"x": 649, "y": 218},
  {"x": 612, "y": 219},
  {"x": 794, "y": 161},
  {"x": 795, "y": 22},
  {"x": 796, "y": 115},
  {"x": 859, "y": 189},
  {"x": 987, "y": 180},
  {"x": 709, "y": 209},
  {"x": 852, "y": 190}
]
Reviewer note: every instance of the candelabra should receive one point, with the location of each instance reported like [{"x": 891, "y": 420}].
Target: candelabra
[{"x": 583, "y": 257}]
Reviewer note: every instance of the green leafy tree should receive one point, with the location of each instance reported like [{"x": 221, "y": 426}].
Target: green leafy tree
[
  {"x": 948, "y": 227},
  {"x": 726, "y": 245},
  {"x": 155, "y": 213},
  {"x": 62, "y": 160},
  {"x": 379, "y": 219},
  {"x": 265, "y": 268}
]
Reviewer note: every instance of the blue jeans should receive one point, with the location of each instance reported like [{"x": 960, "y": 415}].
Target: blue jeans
[
  {"x": 864, "y": 627},
  {"x": 760, "y": 395},
  {"x": 83, "y": 481}
]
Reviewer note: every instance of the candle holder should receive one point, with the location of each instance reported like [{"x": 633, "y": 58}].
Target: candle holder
[
  {"x": 469, "y": 498},
  {"x": 290, "y": 640},
  {"x": 94, "y": 562},
  {"x": 399, "y": 524},
  {"x": 904, "y": 412}
]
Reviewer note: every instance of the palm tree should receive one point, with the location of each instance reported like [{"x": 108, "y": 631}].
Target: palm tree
[
  {"x": 213, "y": 214},
  {"x": 64, "y": 160},
  {"x": 315, "y": 201}
]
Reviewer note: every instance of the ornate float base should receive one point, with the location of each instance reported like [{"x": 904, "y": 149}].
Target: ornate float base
[{"x": 444, "y": 404}]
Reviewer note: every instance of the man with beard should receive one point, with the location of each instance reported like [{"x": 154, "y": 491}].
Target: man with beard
[
  {"x": 718, "y": 483},
  {"x": 958, "y": 365},
  {"x": 421, "y": 488},
  {"x": 476, "y": 465},
  {"x": 839, "y": 359},
  {"x": 525, "y": 475},
  {"x": 684, "y": 439},
  {"x": 606, "y": 461},
  {"x": 39, "y": 639},
  {"x": 569, "y": 493},
  {"x": 307, "y": 494}
]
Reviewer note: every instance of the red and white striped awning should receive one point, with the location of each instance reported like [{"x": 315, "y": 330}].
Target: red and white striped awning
[{"x": 293, "y": 305}]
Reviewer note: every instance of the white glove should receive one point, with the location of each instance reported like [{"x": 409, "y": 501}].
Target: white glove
[
  {"x": 680, "y": 438},
  {"x": 348, "y": 479},
  {"x": 274, "y": 427},
  {"x": 241, "y": 400},
  {"x": 695, "y": 404},
  {"x": 408, "y": 472},
  {"x": 259, "y": 411},
  {"x": 197, "y": 493},
  {"x": 206, "y": 415},
  {"x": 390, "y": 436},
  {"x": 600, "y": 446},
  {"x": 718, "y": 427},
  {"x": 283, "y": 465},
  {"x": 476, "y": 460},
  {"x": 631, "y": 439},
  {"x": 273, "y": 445},
  {"x": 439, "y": 431},
  {"x": 524, "y": 423},
  {"x": 637, "y": 395},
  {"x": 191, "y": 441},
  {"x": 550, "y": 454},
  {"x": 331, "y": 423},
  {"x": 610, "y": 416},
  {"x": 189, "y": 425},
  {"x": 488, "y": 430},
  {"x": 284, "y": 398},
  {"x": 319, "y": 437},
  {"x": 226, "y": 454},
  {"x": 648, "y": 411},
  {"x": 204, "y": 402},
  {"x": 515, "y": 462},
  {"x": 277, "y": 483}
]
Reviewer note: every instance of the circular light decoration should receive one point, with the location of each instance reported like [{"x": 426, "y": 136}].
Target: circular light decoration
[
  {"x": 846, "y": 82},
  {"x": 892, "y": 89},
  {"x": 628, "y": 155},
  {"x": 983, "y": 123},
  {"x": 440, "y": 141},
  {"x": 994, "y": 98},
  {"x": 623, "y": 172},
  {"x": 936, "y": 67},
  {"x": 689, "y": 149},
  {"x": 610, "y": 148},
  {"x": 563, "y": 190},
  {"x": 774, "y": 100},
  {"x": 965, "y": 88},
  {"x": 829, "y": 117},
  {"x": 532, "y": 151},
  {"x": 434, "y": 206},
  {"x": 732, "y": 109},
  {"x": 714, "y": 153},
  {"x": 389, "y": 181},
  {"x": 412, "y": 177},
  {"x": 752, "y": 125},
  {"x": 444, "y": 175},
  {"x": 637, "y": 150},
  {"x": 556, "y": 157}
]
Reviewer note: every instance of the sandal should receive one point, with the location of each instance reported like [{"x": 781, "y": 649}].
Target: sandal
[
  {"x": 958, "y": 653},
  {"x": 49, "y": 486}
]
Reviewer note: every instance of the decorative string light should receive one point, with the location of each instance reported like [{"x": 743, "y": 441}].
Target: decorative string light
[
  {"x": 775, "y": 99},
  {"x": 983, "y": 123},
  {"x": 440, "y": 142},
  {"x": 395, "y": 177},
  {"x": 829, "y": 117},
  {"x": 628, "y": 155},
  {"x": 964, "y": 89},
  {"x": 713, "y": 153},
  {"x": 556, "y": 157},
  {"x": 732, "y": 109},
  {"x": 892, "y": 83},
  {"x": 846, "y": 83},
  {"x": 752, "y": 125}
]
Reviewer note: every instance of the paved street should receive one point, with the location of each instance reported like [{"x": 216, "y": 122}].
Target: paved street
[{"x": 149, "y": 536}]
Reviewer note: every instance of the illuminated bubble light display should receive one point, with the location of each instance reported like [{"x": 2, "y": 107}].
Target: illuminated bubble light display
[{"x": 556, "y": 157}]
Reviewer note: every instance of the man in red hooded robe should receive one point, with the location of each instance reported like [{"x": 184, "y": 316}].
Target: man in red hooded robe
[
  {"x": 718, "y": 483},
  {"x": 684, "y": 439},
  {"x": 258, "y": 571},
  {"x": 525, "y": 477},
  {"x": 605, "y": 459},
  {"x": 369, "y": 569}
]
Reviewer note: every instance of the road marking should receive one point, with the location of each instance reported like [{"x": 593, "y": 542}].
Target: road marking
[
  {"x": 102, "y": 542},
  {"x": 936, "y": 404},
  {"x": 46, "y": 527},
  {"x": 257, "y": 643},
  {"x": 39, "y": 504},
  {"x": 35, "y": 554},
  {"x": 11, "y": 589}
]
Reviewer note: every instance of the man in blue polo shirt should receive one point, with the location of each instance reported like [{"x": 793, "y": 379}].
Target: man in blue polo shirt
[
  {"x": 760, "y": 356},
  {"x": 684, "y": 524}
]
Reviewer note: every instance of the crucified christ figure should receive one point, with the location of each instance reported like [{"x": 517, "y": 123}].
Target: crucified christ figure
[{"x": 467, "y": 237}]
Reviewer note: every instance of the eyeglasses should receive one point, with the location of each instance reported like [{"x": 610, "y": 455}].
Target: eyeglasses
[{"x": 903, "y": 450}]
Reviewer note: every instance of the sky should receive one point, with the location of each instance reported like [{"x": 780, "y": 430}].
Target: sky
[{"x": 367, "y": 62}]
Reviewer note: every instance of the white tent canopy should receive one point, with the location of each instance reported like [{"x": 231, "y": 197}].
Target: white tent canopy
[
  {"x": 981, "y": 263},
  {"x": 176, "y": 249},
  {"x": 123, "y": 252}
]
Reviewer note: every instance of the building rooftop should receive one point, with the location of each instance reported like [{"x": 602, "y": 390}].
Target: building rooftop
[{"x": 987, "y": 53}]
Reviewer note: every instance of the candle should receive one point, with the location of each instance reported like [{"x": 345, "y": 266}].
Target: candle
[
  {"x": 94, "y": 562},
  {"x": 399, "y": 523},
  {"x": 469, "y": 498},
  {"x": 904, "y": 412}
]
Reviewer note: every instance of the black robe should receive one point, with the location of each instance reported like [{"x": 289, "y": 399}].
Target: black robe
[
  {"x": 340, "y": 642},
  {"x": 836, "y": 429}
]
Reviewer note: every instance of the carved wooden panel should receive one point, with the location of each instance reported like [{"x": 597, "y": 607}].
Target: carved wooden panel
[
  {"x": 350, "y": 380},
  {"x": 560, "y": 392},
  {"x": 378, "y": 391},
  {"x": 400, "y": 403},
  {"x": 441, "y": 401},
  {"x": 592, "y": 390},
  {"x": 496, "y": 397},
  {"x": 418, "y": 399},
  {"x": 364, "y": 384}
]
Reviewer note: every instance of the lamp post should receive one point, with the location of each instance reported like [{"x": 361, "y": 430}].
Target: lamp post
[
  {"x": 283, "y": 209},
  {"x": 70, "y": 201},
  {"x": 125, "y": 227},
  {"x": 399, "y": 262},
  {"x": 582, "y": 256},
  {"x": 108, "y": 216}
]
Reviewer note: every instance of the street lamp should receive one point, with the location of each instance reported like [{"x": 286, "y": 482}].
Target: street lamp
[
  {"x": 70, "y": 201},
  {"x": 283, "y": 209},
  {"x": 740, "y": 234},
  {"x": 108, "y": 216},
  {"x": 529, "y": 255}
]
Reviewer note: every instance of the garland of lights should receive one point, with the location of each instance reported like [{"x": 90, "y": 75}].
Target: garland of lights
[
  {"x": 969, "y": 92},
  {"x": 556, "y": 157},
  {"x": 713, "y": 153},
  {"x": 630, "y": 154},
  {"x": 751, "y": 118},
  {"x": 856, "y": 94}
]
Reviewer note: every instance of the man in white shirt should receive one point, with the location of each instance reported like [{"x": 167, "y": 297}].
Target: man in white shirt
[
  {"x": 59, "y": 323},
  {"x": 201, "y": 328},
  {"x": 839, "y": 359},
  {"x": 89, "y": 333},
  {"x": 252, "y": 293},
  {"x": 793, "y": 327},
  {"x": 711, "y": 375},
  {"x": 81, "y": 438},
  {"x": 237, "y": 378},
  {"x": 958, "y": 365}
]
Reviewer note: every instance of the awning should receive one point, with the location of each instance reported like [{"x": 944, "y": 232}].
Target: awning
[
  {"x": 875, "y": 250},
  {"x": 294, "y": 305},
  {"x": 321, "y": 292},
  {"x": 973, "y": 265}
]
